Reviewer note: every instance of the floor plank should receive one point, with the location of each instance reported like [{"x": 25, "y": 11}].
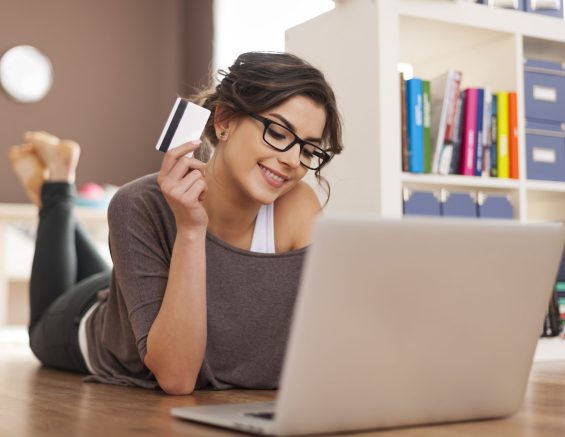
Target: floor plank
[{"x": 36, "y": 401}]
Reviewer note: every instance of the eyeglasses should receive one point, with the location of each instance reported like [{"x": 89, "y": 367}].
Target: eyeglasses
[{"x": 282, "y": 139}]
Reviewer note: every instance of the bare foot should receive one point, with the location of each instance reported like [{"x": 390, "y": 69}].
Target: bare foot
[
  {"x": 60, "y": 156},
  {"x": 30, "y": 170}
]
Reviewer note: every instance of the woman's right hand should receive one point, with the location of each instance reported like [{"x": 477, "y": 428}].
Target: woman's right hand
[{"x": 181, "y": 180}]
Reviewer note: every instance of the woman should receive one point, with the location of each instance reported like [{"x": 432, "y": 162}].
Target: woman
[{"x": 207, "y": 254}]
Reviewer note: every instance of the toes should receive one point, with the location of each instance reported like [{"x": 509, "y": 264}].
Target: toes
[
  {"x": 70, "y": 144},
  {"x": 26, "y": 148},
  {"x": 41, "y": 138},
  {"x": 14, "y": 152},
  {"x": 19, "y": 151}
]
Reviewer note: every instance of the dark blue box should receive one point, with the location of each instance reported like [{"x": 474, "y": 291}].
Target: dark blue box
[
  {"x": 553, "y": 8},
  {"x": 421, "y": 203},
  {"x": 545, "y": 151},
  {"x": 544, "y": 83},
  {"x": 508, "y": 4},
  {"x": 459, "y": 205},
  {"x": 495, "y": 207}
]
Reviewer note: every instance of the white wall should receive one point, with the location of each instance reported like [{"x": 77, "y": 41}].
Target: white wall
[{"x": 258, "y": 25}]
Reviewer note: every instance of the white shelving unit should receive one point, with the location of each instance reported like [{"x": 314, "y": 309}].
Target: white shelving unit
[{"x": 359, "y": 45}]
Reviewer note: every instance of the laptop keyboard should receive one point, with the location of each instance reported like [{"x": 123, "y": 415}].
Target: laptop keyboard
[{"x": 268, "y": 415}]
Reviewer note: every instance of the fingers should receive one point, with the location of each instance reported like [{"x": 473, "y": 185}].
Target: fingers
[
  {"x": 189, "y": 191},
  {"x": 183, "y": 174},
  {"x": 195, "y": 192},
  {"x": 186, "y": 165},
  {"x": 185, "y": 184},
  {"x": 199, "y": 191},
  {"x": 173, "y": 155},
  {"x": 182, "y": 169},
  {"x": 176, "y": 166}
]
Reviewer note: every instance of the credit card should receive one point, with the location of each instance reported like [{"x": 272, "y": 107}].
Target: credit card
[{"x": 185, "y": 123}]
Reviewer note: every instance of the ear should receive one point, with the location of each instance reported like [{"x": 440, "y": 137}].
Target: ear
[{"x": 223, "y": 120}]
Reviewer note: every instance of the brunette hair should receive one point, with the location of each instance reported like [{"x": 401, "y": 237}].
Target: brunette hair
[{"x": 259, "y": 81}]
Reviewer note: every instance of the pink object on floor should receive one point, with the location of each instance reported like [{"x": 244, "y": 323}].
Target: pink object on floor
[{"x": 92, "y": 191}]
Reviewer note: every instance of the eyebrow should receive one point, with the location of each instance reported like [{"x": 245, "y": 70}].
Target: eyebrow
[{"x": 289, "y": 125}]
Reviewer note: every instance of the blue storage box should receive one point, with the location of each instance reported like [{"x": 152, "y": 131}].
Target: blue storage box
[
  {"x": 458, "y": 205},
  {"x": 545, "y": 151},
  {"x": 544, "y": 90},
  {"x": 494, "y": 207},
  {"x": 509, "y": 4},
  {"x": 553, "y": 8},
  {"x": 421, "y": 203}
]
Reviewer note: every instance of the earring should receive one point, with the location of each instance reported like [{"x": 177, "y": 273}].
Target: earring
[{"x": 223, "y": 135}]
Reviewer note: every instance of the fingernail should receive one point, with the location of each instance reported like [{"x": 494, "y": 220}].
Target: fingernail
[{"x": 196, "y": 142}]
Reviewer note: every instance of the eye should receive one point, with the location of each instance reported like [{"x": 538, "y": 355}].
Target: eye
[
  {"x": 310, "y": 151},
  {"x": 276, "y": 133},
  {"x": 307, "y": 153},
  {"x": 279, "y": 133}
]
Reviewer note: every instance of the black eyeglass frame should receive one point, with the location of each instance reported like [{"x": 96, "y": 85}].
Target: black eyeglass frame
[{"x": 326, "y": 157}]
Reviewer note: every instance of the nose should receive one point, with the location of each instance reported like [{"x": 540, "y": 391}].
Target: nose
[{"x": 291, "y": 157}]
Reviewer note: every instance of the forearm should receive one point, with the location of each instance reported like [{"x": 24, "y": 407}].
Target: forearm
[{"x": 176, "y": 342}]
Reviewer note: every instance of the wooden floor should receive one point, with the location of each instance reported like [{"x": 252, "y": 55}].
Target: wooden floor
[{"x": 35, "y": 401}]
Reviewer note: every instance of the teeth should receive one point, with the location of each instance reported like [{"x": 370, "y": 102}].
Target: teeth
[{"x": 272, "y": 175}]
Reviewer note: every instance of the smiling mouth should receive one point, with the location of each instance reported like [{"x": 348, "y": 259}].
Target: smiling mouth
[{"x": 279, "y": 180}]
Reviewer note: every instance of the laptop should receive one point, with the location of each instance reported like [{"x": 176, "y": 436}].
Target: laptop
[{"x": 402, "y": 322}]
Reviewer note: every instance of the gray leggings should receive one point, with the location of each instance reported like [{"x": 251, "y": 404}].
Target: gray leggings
[{"x": 66, "y": 275}]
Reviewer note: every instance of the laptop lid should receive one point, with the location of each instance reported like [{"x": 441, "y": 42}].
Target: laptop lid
[{"x": 415, "y": 321}]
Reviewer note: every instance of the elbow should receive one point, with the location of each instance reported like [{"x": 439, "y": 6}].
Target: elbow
[
  {"x": 174, "y": 382},
  {"x": 176, "y": 386}
]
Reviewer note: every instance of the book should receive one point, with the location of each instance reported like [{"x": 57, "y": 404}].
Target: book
[
  {"x": 487, "y": 131},
  {"x": 503, "y": 158},
  {"x": 414, "y": 123},
  {"x": 494, "y": 136},
  {"x": 427, "y": 122},
  {"x": 552, "y": 325},
  {"x": 479, "y": 140},
  {"x": 455, "y": 91},
  {"x": 468, "y": 144},
  {"x": 442, "y": 90},
  {"x": 455, "y": 160},
  {"x": 403, "y": 121},
  {"x": 513, "y": 135}
]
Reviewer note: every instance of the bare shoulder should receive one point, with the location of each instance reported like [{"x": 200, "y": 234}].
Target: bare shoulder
[{"x": 295, "y": 214}]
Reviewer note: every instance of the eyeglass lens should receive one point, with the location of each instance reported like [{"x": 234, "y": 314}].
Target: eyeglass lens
[{"x": 280, "y": 138}]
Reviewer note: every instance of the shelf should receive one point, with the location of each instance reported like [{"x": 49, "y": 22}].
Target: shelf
[
  {"x": 28, "y": 212},
  {"x": 488, "y": 45},
  {"x": 484, "y": 17},
  {"x": 460, "y": 181},
  {"x": 545, "y": 186}
]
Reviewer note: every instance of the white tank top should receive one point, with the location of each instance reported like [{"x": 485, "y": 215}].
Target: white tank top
[{"x": 264, "y": 233}]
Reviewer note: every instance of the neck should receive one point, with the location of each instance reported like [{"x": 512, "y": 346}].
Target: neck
[{"x": 231, "y": 215}]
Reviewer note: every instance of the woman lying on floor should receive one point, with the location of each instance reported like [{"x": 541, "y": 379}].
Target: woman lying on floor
[{"x": 207, "y": 253}]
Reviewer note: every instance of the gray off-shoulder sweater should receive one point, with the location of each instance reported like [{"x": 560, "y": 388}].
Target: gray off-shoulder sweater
[{"x": 250, "y": 298}]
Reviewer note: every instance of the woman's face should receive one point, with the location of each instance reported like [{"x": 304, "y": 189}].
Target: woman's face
[{"x": 257, "y": 170}]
